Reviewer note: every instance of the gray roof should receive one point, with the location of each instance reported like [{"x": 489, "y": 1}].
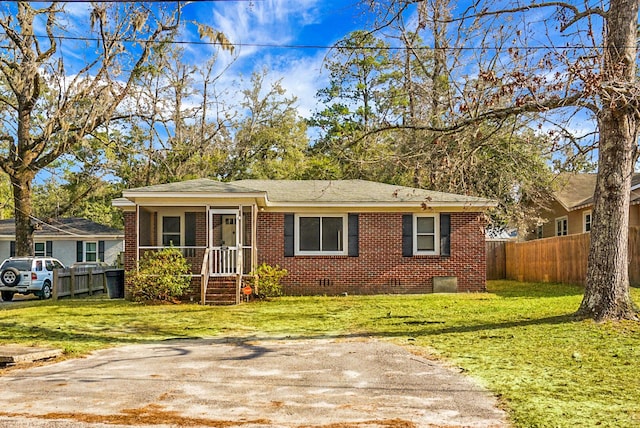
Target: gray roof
[
  {"x": 341, "y": 191},
  {"x": 312, "y": 191},
  {"x": 576, "y": 190},
  {"x": 72, "y": 228},
  {"x": 200, "y": 185}
]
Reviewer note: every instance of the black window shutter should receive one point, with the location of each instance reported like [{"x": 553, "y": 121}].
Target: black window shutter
[
  {"x": 48, "y": 252},
  {"x": 289, "y": 250},
  {"x": 101, "y": 251},
  {"x": 190, "y": 229},
  {"x": 445, "y": 235},
  {"x": 407, "y": 235},
  {"x": 79, "y": 251},
  {"x": 12, "y": 249},
  {"x": 353, "y": 235}
]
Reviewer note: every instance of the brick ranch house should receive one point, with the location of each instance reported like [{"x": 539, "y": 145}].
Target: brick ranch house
[{"x": 333, "y": 237}]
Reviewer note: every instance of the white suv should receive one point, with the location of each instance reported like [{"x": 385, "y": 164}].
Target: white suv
[{"x": 25, "y": 275}]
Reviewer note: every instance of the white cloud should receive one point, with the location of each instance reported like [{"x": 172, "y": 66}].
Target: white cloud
[
  {"x": 302, "y": 77},
  {"x": 255, "y": 29}
]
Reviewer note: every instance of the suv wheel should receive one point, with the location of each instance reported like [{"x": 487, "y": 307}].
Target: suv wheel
[
  {"x": 10, "y": 277},
  {"x": 46, "y": 290},
  {"x": 7, "y": 296}
]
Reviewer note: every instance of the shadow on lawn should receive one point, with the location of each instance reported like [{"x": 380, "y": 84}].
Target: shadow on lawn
[
  {"x": 488, "y": 327},
  {"x": 533, "y": 290},
  {"x": 249, "y": 341}
]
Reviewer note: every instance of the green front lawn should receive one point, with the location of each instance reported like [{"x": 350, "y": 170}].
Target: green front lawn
[{"x": 519, "y": 340}]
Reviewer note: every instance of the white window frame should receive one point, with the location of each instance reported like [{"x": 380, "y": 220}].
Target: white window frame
[
  {"x": 586, "y": 214},
  {"x": 345, "y": 242},
  {"x": 43, "y": 253},
  {"x": 436, "y": 235},
  {"x": 561, "y": 220},
  {"x": 85, "y": 251}
]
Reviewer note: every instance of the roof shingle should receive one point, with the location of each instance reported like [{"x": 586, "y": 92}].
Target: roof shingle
[{"x": 64, "y": 227}]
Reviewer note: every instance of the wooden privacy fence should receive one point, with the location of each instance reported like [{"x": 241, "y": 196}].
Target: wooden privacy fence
[
  {"x": 496, "y": 259},
  {"x": 560, "y": 259},
  {"x": 80, "y": 282}
]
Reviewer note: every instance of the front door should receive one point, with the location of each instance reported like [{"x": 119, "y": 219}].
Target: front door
[
  {"x": 224, "y": 238},
  {"x": 229, "y": 230}
]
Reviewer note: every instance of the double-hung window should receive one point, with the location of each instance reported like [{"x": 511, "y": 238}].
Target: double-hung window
[
  {"x": 320, "y": 234},
  {"x": 562, "y": 226},
  {"x": 426, "y": 240},
  {"x": 587, "y": 221},
  {"x": 90, "y": 251},
  {"x": 39, "y": 249},
  {"x": 171, "y": 231}
]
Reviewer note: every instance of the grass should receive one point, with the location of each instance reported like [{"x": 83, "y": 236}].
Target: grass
[{"x": 519, "y": 340}]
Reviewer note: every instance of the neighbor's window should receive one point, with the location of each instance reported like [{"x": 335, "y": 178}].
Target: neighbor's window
[
  {"x": 171, "y": 231},
  {"x": 90, "y": 251},
  {"x": 539, "y": 232},
  {"x": 562, "y": 226},
  {"x": 320, "y": 234},
  {"x": 426, "y": 239},
  {"x": 39, "y": 249},
  {"x": 587, "y": 221}
]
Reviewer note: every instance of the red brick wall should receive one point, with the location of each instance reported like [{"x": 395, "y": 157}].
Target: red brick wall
[
  {"x": 130, "y": 240},
  {"x": 201, "y": 229},
  {"x": 130, "y": 245},
  {"x": 380, "y": 268}
]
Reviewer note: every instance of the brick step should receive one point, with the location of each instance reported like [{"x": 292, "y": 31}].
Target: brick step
[
  {"x": 220, "y": 299},
  {"x": 221, "y": 290}
]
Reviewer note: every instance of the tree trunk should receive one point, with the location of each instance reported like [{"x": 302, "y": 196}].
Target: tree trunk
[
  {"x": 606, "y": 295},
  {"x": 21, "y": 184}
]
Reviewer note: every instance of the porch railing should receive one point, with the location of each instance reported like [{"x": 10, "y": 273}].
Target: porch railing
[
  {"x": 222, "y": 261},
  {"x": 193, "y": 255}
]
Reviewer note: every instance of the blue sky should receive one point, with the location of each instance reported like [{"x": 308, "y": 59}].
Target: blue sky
[
  {"x": 280, "y": 23},
  {"x": 272, "y": 35},
  {"x": 277, "y": 36},
  {"x": 250, "y": 25}
]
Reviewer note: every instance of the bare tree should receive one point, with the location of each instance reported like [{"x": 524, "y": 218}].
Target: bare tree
[
  {"x": 556, "y": 57},
  {"x": 48, "y": 106},
  {"x": 179, "y": 125}
]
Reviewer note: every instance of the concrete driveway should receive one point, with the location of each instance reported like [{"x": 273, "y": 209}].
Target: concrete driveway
[{"x": 247, "y": 383}]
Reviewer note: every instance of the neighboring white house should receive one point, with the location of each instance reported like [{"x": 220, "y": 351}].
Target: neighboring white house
[{"x": 70, "y": 240}]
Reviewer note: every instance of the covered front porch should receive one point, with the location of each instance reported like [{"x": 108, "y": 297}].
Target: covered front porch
[{"x": 218, "y": 241}]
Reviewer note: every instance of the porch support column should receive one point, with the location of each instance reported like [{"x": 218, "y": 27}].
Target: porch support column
[
  {"x": 209, "y": 225},
  {"x": 137, "y": 235},
  {"x": 254, "y": 242},
  {"x": 239, "y": 262},
  {"x": 205, "y": 271}
]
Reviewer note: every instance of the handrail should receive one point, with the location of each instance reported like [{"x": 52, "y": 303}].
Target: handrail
[{"x": 204, "y": 276}]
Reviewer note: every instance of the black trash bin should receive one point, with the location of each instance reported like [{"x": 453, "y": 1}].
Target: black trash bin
[{"x": 115, "y": 283}]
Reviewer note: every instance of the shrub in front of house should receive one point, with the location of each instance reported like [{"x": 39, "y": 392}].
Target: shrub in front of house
[
  {"x": 161, "y": 276},
  {"x": 269, "y": 279}
]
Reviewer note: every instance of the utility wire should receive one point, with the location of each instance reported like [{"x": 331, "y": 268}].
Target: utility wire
[{"x": 310, "y": 46}]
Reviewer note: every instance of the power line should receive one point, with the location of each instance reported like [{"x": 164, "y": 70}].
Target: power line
[
  {"x": 305, "y": 46},
  {"x": 147, "y": 1}
]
